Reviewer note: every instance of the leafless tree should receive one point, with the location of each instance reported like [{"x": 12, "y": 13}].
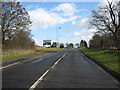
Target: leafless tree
[{"x": 107, "y": 20}]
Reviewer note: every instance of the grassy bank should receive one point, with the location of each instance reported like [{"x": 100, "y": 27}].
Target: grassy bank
[
  {"x": 110, "y": 58},
  {"x": 18, "y": 53}
]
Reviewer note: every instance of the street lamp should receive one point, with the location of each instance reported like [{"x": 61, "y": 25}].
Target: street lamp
[{"x": 57, "y": 37}]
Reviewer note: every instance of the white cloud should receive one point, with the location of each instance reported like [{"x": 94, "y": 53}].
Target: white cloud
[
  {"x": 84, "y": 34},
  {"x": 43, "y": 19},
  {"x": 92, "y": 30},
  {"x": 83, "y": 23},
  {"x": 77, "y": 33},
  {"x": 38, "y": 42},
  {"x": 67, "y": 9},
  {"x": 87, "y": 34},
  {"x": 105, "y": 2}
]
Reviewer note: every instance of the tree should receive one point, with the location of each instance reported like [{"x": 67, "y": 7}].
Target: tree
[
  {"x": 71, "y": 45},
  {"x": 61, "y": 45},
  {"x": 102, "y": 41},
  {"x": 15, "y": 25},
  {"x": 83, "y": 43},
  {"x": 107, "y": 20},
  {"x": 96, "y": 41}
]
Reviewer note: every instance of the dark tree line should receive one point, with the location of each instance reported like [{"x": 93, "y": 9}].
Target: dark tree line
[
  {"x": 15, "y": 26},
  {"x": 102, "y": 42},
  {"x": 83, "y": 43},
  {"x": 107, "y": 20}
]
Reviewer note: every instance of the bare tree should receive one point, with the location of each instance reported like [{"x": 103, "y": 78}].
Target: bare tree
[
  {"x": 15, "y": 21},
  {"x": 107, "y": 20}
]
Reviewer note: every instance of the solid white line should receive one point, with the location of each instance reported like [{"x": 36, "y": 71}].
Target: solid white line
[
  {"x": 115, "y": 80},
  {"x": 41, "y": 77},
  {"x": 10, "y": 65},
  {"x": 38, "y": 81},
  {"x": 107, "y": 74}
]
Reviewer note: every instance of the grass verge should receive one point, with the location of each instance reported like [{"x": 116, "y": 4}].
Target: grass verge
[
  {"x": 15, "y": 54},
  {"x": 110, "y": 58}
]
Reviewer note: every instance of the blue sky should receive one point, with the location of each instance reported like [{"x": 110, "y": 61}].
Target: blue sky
[{"x": 73, "y": 18}]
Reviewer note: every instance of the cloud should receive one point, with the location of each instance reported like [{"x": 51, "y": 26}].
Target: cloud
[
  {"x": 105, "y": 2},
  {"x": 77, "y": 33},
  {"x": 83, "y": 23},
  {"x": 84, "y": 34},
  {"x": 87, "y": 34},
  {"x": 38, "y": 41},
  {"x": 67, "y": 9},
  {"x": 43, "y": 18}
]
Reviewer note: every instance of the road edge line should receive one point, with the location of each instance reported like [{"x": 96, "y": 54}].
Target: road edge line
[
  {"x": 9, "y": 65},
  {"x": 104, "y": 69}
]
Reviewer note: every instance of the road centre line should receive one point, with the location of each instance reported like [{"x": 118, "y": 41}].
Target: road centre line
[
  {"x": 41, "y": 77},
  {"x": 38, "y": 81}
]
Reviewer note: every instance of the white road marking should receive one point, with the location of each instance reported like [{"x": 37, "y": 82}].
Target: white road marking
[
  {"x": 10, "y": 65},
  {"x": 104, "y": 71},
  {"x": 38, "y": 81},
  {"x": 83, "y": 61},
  {"x": 108, "y": 74},
  {"x": 41, "y": 77},
  {"x": 21, "y": 62},
  {"x": 53, "y": 66}
]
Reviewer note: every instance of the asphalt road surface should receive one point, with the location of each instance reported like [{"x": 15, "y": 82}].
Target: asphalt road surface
[{"x": 68, "y": 68}]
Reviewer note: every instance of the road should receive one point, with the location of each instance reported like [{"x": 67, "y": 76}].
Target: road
[{"x": 68, "y": 68}]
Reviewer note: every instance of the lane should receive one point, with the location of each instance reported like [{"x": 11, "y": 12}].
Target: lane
[
  {"x": 23, "y": 75},
  {"x": 44, "y": 74},
  {"x": 75, "y": 70}
]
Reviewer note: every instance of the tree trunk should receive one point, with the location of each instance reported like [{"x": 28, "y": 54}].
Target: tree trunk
[{"x": 116, "y": 41}]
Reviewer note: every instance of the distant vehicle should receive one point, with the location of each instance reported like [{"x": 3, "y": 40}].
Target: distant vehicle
[{"x": 54, "y": 44}]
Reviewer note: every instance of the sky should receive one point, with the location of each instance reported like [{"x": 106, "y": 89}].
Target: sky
[{"x": 69, "y": 19}]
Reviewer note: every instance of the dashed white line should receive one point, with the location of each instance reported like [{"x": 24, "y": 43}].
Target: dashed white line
[
  {"x": 53, "y": 66},
  {"x": 41, "y": 77},
  {"x": 10, "y": 65},
  {"x": 38, "y": 81}
]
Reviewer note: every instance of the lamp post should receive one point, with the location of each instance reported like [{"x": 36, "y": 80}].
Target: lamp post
[{"x": 57, "y": 37}]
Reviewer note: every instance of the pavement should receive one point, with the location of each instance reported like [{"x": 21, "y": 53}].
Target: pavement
[{"x": 68, "y": 68}]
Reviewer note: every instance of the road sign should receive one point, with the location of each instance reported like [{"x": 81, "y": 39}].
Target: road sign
[{"x": 47, "y": 43}]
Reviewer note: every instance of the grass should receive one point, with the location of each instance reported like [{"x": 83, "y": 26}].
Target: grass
[
  {"x": 15, "y": 54},
  {"x": 110, "y": 58}
]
